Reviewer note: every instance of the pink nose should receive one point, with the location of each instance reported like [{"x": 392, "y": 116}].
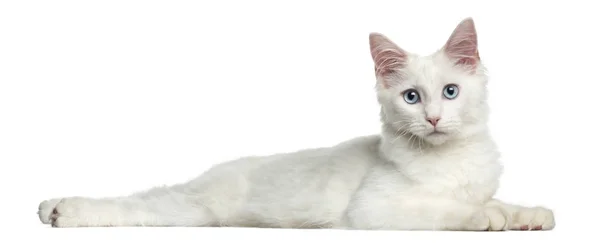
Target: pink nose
[{"x": 433, "y": 120}]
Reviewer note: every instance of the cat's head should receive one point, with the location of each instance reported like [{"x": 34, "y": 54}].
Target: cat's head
[{"x": 434, "y": 98}]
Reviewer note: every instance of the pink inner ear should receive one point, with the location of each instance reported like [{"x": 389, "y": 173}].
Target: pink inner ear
[
  {"x": 462, "y": 44},
  {"x": 386, "y": 55}
]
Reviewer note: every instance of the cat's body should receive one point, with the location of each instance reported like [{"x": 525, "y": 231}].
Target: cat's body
[{"x": 433, "y": 167}]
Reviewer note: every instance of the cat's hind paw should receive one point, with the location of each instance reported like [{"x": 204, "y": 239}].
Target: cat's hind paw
[
  {"x": 75, "y": 212},
  {"x": 45, "y": 210},
  {"x": 68, "y": 212}
]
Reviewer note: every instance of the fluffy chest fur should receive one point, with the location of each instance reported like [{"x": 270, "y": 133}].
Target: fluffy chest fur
[{"x": 468, "y": 170}]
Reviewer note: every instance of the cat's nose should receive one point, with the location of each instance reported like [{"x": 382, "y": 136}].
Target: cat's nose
[{"x": 433, "y": 120}]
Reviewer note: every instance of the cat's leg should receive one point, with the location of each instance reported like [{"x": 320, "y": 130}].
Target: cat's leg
[
  {"x": 212, "y": 199},
  {"x": 167, "y": 206},
  {"x": 425, "y": 213},
  {"x": 526, "y": 218}
]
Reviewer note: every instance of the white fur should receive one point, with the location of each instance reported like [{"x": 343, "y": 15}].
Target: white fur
[{"x": 402, "y": 179}]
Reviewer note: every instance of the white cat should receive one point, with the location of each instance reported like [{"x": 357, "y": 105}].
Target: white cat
[{"x": 433, "y": 167}]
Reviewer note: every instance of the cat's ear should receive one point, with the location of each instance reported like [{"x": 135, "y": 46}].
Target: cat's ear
[
  {"x": 461, "y": 47},
  {"x": 387, "y": 56}
]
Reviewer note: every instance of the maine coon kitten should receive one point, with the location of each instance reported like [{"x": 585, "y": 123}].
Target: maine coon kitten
[{"x": 433, "y": 167}]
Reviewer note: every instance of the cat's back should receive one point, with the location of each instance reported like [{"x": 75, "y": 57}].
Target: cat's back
[
  {"x": 316, "y": 169},
  {"x": 306, "y": 188},
  {"x": 355, "y": 153}
]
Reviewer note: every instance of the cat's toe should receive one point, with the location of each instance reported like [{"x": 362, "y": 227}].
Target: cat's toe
[
  {"x": 478, "y": 222},
  {"x": 489, "y": 219},
  {"x": 499, "y": 218},
  {"x": 537, "y": 218}
]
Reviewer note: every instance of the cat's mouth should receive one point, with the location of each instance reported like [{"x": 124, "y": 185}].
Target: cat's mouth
[
  {"x": 436, "y": 137},
  {"x": 436, "y": 132}
]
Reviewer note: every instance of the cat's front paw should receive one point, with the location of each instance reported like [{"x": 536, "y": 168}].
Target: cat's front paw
[
  {"x": 536, "y": 218},
  {"x": 489, "y": 219}
]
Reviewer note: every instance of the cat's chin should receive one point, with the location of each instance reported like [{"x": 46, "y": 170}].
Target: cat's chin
[{"x": 436, "y": 138}]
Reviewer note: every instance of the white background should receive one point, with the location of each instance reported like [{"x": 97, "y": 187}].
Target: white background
[{"x": 104, "y": 98}]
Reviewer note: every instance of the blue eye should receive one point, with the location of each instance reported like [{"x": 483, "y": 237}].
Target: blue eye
[
  {"x": 451, "y": 91},
  {"x": 411, "y": 96}
]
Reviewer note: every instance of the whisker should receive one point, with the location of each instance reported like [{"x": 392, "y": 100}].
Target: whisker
[{"x": 411, "y": 141}]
